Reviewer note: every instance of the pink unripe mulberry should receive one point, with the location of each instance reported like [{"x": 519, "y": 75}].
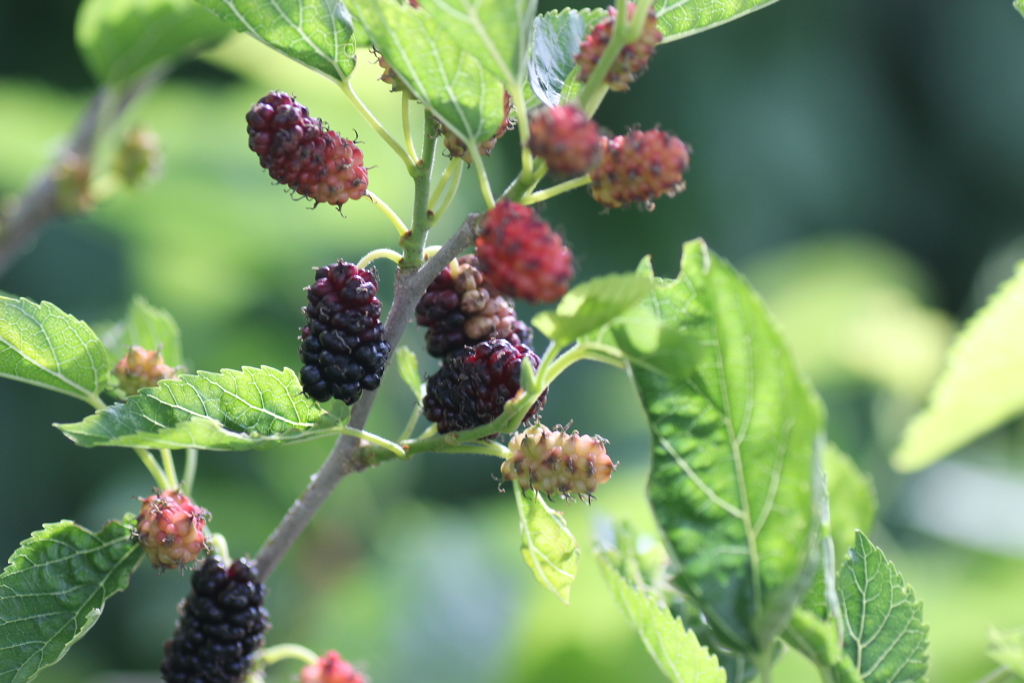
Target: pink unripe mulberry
[
  {"x": 557, "y": 463},
  {"x": 297, "y": 151},
  {"x": 640, "y": 167},
  {"x": 566, "y": 139},
  {"x": 141, "y": 368},
  {"x": 631, "y": 61},
  {"x": 521, "y": 255},
  {"x": 171, "y": 529},
  {"x": 330, "y": 668}
]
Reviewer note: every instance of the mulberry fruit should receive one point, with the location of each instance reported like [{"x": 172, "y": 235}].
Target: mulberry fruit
[
  {"x": 557, "y": 463},
  {"x": 459, "y": 309},
  {"x": 631, "y": 61},
  {"x": 565, "y": 139},
  {"x": 521, "y": 255},
  {"x": 640, "y": 167},
  {"x": 457, "y": 148},
  {"x": 141, "y": 368},
  {"x": 299, "y": 152},
  {"x": 343, "y": 344},
  {"x": 330, "y": 668},
  {"x": 222, "y": 624},
  {"x": 474, "y": 383},
  {"x": 171, "y": 529}
]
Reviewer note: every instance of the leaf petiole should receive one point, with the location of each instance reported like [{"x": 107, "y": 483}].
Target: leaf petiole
[
  {"x": 279, "y": 653},
  {"x": 387, "y": 211},
  {"x": 346, "y": 88},
  {"x": 170, "y": 470},
  {"x": 555, "y": 190},
  {"x": 407, "y": 127},
  {"x": 389, "y": 254},
  {"x": 481, "y": 173}
]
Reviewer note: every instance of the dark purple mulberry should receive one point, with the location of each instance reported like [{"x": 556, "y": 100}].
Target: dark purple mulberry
[
  {"x": 222, "y": 624},
  {"x": 474, "y": 383},
  {"x": 460, "y": 309},
  {"x": 343, "y": 345}
]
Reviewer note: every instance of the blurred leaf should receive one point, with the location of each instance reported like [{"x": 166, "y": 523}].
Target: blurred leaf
[
  {"x": 439, "y": 70},
  {"x": 1019, "y": 4},
  {"x": 549, "y": 548},
  {"x": 682, "y": 18},
  {"x": 53, "y": 591},
  {"x": 556, "y": 40},
  {"x": 982, "y": 386},
  {"x": 409, "y": 370},
  {"x": 674, "y": 648},
  {"x": 851, "y": 497},
  {"x": 736, "y": 455},
  {"x": 1007, "y": 648},
  {"x": 496, "y": 32},
  {"x": 121, "y": 39},
  {"x": 317, "y": 33},
  {"x": 151, "y": 328},
  {"x": 230, "y": 410},
  {"x": 885, "y": 636},
  {"x": 42, "y": 345},
  {"x": 589, "y": 305}
]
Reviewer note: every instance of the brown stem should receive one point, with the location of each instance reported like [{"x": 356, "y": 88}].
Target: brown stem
[{"x": 345, "y": 457}]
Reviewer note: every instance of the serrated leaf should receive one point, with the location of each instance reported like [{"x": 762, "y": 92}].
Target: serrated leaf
[
  {"x": 44, "y": 346},
  {"x": 982, "y": 386},
  {"x": 53, "y": 591},
  {"x": 556, "y": 40},
  {"x": 121, "y": 39},
  {"x": 592, "y": 304},
  {"x": 316, "y": 33},
  {"x": 674, "y": 648},
  {"x": 230, "y": 410},
  {"x": 885, "y": 636},
  {"x": 816, "y": 640},
  {"x": 496, "y": 32},
  {"x": 409, "y": 370},
  {"x": 549, "y": 548},
  {"x": 736, "y": 448},
  {"x": 439, "y": 70},
  {"x": 151, "y": 328},
  {"x": 1007, "y": 649},
  {"x": 679, "y": 19}
]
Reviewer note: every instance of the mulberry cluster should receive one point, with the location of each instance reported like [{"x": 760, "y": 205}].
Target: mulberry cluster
[
  {"x": 298, "y": 152},
  {"x": 557, "y": 463},
  {"x": 343, "y": 344},
  {"x": 521, "y": 255},
  {"x": 330, "y": 668},
  {"x": 632, "y": 60},
  {"x": 141, "y": 368},
  {"x": 565, "y": 139},
  {"x": 640, "y": 167},
  {"x": 171, "y": 529},
  {"x": 222, "y": 624},
  {"x": 459, "y": 309},
  {"x": 457, "y": 148},
  {"x": 474, "y": 383}
]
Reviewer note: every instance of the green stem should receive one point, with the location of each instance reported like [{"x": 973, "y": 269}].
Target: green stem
[
  {"x": 555, "y": 190},
  {"x": 453, "y": 188},
  {"x": 389, "y": 254},
  {"x": 169, "y": 468},
  {"x": 387, "y": 211},
  {"x": 411, "y": 424},
  {"x": 414, "y": 240},
  {"x": 220, "y": 548},
  {"x": 407, "y": 127},
  {"x": 278, "y": 653},
  {"x": 764, "y": 662},
  {"x": 154, "y": 468},
  {"x": 519, "y": 102},
  {"x": 374, "y": 439},
  {"x": 478, "y": 447},
  {"x": 525, "y": 182},
  {"x": 191, "y": 464},
  {"x": 625, "y": 32},
  {"x": 430, "y": 252},
  {"x": 481, "y": 174},
  {"x": 442, "y": 184},
  {"x": 346, "y": 88}
]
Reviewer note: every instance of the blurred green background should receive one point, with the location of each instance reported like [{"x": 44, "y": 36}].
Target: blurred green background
[{"x": 860, "y": 160}]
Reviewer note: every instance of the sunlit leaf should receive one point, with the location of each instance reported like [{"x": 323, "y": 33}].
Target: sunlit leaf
[
  {"x": 54, "y": 589},
  {"x": 549, "y": 548},
  {"x": 592, "y": 304},
  {"x": 556, "y": 40},
  {"x": 737, "y": 444},
  {"x": 1019, "y": 4},
  {"x": 439, "y": 70},
  {"x": 229, "y": 410},
  {"x": 1007, "y": 648},
  {"x": 885, "y": 636},
  {"x": 317, "y": 33},
  {"x": 44, "y": 346},
  {"x": 682, "y": 18},
  {"x": 409, "y": 370},
  {"x": 982, "y": 386}
]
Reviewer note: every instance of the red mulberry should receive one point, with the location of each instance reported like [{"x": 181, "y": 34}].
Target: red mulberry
[
  {"x": 557, "y": 463},
  {"x": 632, "y": 60},
  {"x": 171, "y": 529},
  {"x": 640, "y": 167},
  {"x": 330, "y": 668},
  {"x": 566, "y": 139}
]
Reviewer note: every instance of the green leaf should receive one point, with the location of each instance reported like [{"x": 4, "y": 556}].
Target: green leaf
[
  {"x": 121, "y": 39},
  {"x": 1019, "y": 4},
  {"x": 656, "y": 347},
  {"x": 316, "y": 33},
  {"x": 1007, "y": 648},
  {"x": 735, "y": 479},
  {"x": 439, "y": 70},
  {"x": 885, "y": 637},
  {"x": 230, "y": 410},
  {"x": 549, "y": 548},
  {"x": 42, "y": 345},
  {"x": 816, "y": 640},
  {"x": 409, "y": 370},
  {"x": 982, "y": 386},
  {"x": 556, "y": 40},
  {"x": 592, "y": 304},
  {"x": 674, "y": 648},
  {"x": 679, "y": 19},
  {"x": 496, "y": 32},
  {"x": 53, "y": 591},
  {"x": 852, "y": 499},
  {"x": 151, "y": 328}
]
